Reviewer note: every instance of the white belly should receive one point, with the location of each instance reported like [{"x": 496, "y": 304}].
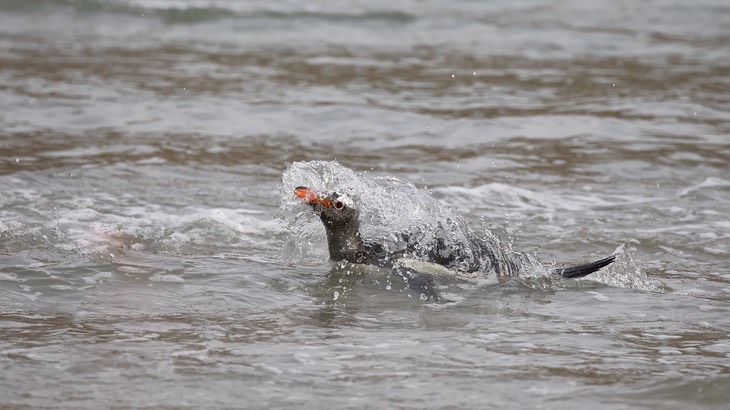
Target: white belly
[{"x": 442, "y": 271}]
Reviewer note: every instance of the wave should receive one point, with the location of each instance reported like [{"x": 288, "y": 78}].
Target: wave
[{"x": 186, "y": 12}]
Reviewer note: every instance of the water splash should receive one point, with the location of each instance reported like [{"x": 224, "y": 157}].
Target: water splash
[
  {"x": 624, "y": 273},
  {"x": 396, "y": 214},
  {"x": 392, "y": 209}
]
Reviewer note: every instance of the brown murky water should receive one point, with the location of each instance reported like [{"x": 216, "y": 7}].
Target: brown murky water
[{"x": 145, "y": 256}]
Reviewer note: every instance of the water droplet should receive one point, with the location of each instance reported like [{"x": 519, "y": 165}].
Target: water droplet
[
  {"x": 337, "y": 295},
  {"x": 18, "y": 159},
  {"x": 453, "y": 75}
]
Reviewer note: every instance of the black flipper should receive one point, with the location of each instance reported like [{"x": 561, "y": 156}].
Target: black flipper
[{"x": 585, "y": 269}]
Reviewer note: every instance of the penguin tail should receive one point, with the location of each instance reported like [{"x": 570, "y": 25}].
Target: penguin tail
[{"x": 585, "y": 269}]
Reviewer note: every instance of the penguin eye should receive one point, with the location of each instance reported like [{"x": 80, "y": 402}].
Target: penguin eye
[{"x": 339, "y": 205}]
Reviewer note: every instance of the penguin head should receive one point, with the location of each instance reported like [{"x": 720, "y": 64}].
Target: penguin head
[{"x": 334, "y": 209}]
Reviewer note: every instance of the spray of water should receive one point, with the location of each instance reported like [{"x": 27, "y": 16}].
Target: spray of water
[
  {"x": 394, "y": 213},
  {"x": 401, "y": 216}
]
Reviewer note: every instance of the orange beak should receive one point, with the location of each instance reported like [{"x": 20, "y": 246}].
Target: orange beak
[{"x": 311, "y": 197}]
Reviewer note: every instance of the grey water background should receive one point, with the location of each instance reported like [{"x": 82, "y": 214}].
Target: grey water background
[{"x": 146, "y": 260}]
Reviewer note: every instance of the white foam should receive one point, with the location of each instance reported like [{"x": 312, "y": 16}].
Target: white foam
[
  {"x": 710, "y": 182},
  {"x": 599, "y": 296},
  {"x": 10, "y": 277},
  {"x": 97, "y": 278},
  {"x": 152, "y": 227},
  {"x": 167, "y": 278},
  {"x": 504, "y": 196}
]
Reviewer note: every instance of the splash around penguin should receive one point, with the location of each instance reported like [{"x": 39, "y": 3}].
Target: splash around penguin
[{"x": 340, "y": 213}]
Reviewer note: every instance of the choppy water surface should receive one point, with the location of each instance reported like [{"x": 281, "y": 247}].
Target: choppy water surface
[{"x": 152, "y": 256}]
